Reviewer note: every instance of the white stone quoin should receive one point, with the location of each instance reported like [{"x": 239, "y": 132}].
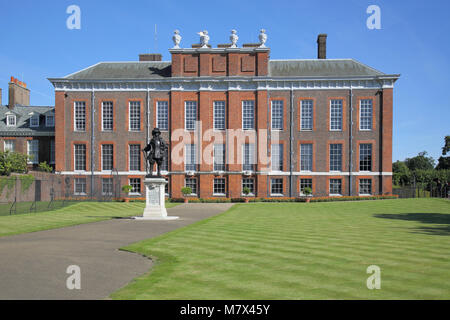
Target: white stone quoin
[{"x": 155, "y": 207}]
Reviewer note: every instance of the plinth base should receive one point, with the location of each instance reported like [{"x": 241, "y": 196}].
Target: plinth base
[
  {"x": 156, "y": 218},
  {"x": 155, "y": 208}
]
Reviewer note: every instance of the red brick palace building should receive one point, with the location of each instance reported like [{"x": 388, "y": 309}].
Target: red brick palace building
[{"x": 322, "y": 123}]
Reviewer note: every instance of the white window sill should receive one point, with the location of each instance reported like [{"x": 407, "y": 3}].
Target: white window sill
[
  {"x": 219, "y": 194},
  {"x": 335, "y": 195},
  {"x": 134, "y": 194},
  {"x": 247, "y": 195},
  {"x": 79, "y": 194},
  {"x": 365, "y": 194},
  {"x": 306, "y": 129},
  {"x": 277, "y": 195}
]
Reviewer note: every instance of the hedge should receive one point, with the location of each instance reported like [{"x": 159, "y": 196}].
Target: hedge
[{"x": 284, "y": 199}]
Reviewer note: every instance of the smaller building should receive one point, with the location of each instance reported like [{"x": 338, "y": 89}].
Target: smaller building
[{"x": 27, "y": 129}]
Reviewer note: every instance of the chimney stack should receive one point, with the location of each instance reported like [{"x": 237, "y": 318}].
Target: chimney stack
[
  {"x": 150, "y": 57},
  {"x": 18, "y": 93},
  {"x": 322, "y": 46}
]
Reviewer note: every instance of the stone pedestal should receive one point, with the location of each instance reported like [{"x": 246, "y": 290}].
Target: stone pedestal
[{"x": 155, "y": 207}]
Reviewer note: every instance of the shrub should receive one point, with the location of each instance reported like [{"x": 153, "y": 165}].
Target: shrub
[
  {"x": 246, "y": 191},
  {"x": 186, "y": 191},
  {"x": 12, "y": 162},
  {"x": 127, "y": 188},
  {"x": 307, "y": 191},
  {"x": 43, "y": 166}
]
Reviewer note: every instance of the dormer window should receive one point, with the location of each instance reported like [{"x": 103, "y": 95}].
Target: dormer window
[
  {"x": 50, "y": 121},
  {"x": 11, "y": 120},
  {"x": 34, "y": 120}
]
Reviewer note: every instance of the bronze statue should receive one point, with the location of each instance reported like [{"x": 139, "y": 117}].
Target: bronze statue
[{"x": 155, "y": 151}]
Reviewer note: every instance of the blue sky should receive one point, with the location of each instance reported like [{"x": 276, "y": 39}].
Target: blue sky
[{"x": 412, "y": 41}]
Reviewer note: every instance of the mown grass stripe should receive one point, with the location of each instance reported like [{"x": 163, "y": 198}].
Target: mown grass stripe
[{"x": 301, "y": 251}]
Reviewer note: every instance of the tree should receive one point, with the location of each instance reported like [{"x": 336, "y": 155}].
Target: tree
[
  {"x": 12, "y": 162},
  {"x": 401, "y": 173},
  {"x": 444, "y": 162},
  {"x": 420, "y": 162},
  {"x": 446, "y": 147}
]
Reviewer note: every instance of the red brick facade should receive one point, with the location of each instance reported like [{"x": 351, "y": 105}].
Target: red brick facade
[{"x": 218, "y": 67}]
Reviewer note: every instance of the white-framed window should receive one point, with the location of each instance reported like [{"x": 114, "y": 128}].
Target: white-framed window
[
  {"x": 250, "y": 184},
  {"x": 219, "y": 186},
  {"x": 79, "y": 116},
  {"x": 248, "y": 115},
  {"x": 248, "y": 155},
  {"x": 11, "y": 120},
  {"x": 335, "y": 187},
  {"x": 33, "y": 151},
  {"x": 276, "y": 186},
  {"x": 191, "y": 183},
  {"x": 365, "y": 114},
  {"x": 162, "y": 115},
  {"x": 190, "y": 115},
  {"x": 135, "y": 184},
  {"x": 8, "y": 145},
  {"x": 166, "y": 188},
  {"x": 134, "y": 116},
  {"x": 277, "y": 157},
  {"x": 277, "y": 114},
  {"x": 79, "y": 185},
  {"x": 365, "y": 157},
  {"x": 107, "y": 156},
  {"x": 365, "y": 187},
  {"x": 190, "y": 157},
  {"x": 336, "y": 115},
  {"x": 79, "y": 156},
  {"x": 107, "y": 186},
  {"x": 336, "y": 157},
  {"x": 50, "y": 120},
  {"x": 219, "y": 115},
  {"x": 305, "y": 183},
  {"x": 34, "y": 120},
  {"x": 306, "y": 157},
  {"x": 134, "y": 162},
  {"x": 306, "y": 115},
  {"x": 219, "y": 157},
  {"x": 52, "y": 151},
  {"x": 165, "y": 163},
  {"x": 107, "y": 116}
]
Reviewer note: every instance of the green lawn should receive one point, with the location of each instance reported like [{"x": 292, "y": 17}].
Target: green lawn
[
  {"x": 28, "y": 207},
  {"x": 303, "y": 251},
  {"x": 78, "y": 213}
]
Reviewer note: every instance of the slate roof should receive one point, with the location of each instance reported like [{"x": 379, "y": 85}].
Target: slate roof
[
  {"x": 23, "y": 116},
  {"x": 320, "y": 68},
  {"x": 333, "y": 68},
  {"x": 124, "y": 70}
]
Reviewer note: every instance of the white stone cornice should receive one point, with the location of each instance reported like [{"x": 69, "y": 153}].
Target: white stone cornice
[{"x": 222, "y": 84}]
